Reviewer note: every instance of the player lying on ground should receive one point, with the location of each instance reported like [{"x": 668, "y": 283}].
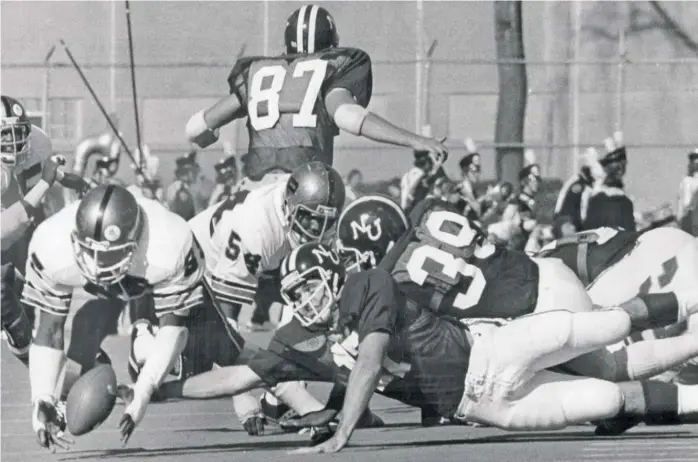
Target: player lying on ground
[
  {"x": 616, "y": 265},
  {"x": 295, "y": 103},
  {"x": 113, "y": 246},
  {"x": 362, "y": 331}
]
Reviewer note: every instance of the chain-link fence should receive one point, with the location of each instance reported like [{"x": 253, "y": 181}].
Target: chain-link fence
[{"x": 571, "y": 105}]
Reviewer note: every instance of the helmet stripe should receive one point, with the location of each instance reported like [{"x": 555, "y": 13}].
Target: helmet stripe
[
  {"x": 292, "y": 260},
  {"x": 299, "y": 29},
  {"x": 311, "y": 28},
  {"x": 102, "y": 207}
]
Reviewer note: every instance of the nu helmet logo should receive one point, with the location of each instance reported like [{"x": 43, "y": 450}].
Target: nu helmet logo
[{"x": 373, "y": 231}]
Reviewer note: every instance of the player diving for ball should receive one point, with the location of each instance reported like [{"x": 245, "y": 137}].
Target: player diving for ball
[
  {"x": 112, "y": 245},
  {"x": 297, "y": 102},
  {"x": 428, "y": 343},
  {"x": 361, "y": 330}
]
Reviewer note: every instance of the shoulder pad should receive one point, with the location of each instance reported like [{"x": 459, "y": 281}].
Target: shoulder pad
[{"x": 241, "y": 66}]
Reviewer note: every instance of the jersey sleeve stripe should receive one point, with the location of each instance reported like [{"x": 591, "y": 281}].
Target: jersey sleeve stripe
[
  {"x": 239, "y": 286},
  {"x": 46, "y": 302},
  {"x": 178, "y": 301}
]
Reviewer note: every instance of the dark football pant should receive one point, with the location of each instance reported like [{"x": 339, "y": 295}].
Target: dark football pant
[
  {"x": 15, "y": 321},
  {"x": 268, "y": 292},
  {"x": 208, "y": 342}
]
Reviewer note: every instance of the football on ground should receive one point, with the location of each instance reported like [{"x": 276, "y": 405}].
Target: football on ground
[{"x": 91, "y": 399}]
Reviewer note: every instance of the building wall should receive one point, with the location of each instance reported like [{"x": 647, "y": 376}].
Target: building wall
[{"x": 170, "y": 38}]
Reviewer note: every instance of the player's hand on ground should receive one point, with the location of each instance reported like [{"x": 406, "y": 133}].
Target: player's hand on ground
[
  {"x": 311, "y": 419},
  {"x": 333, "y": 444},
  {"x": 437, "y": 151},
  {"x": 133, "y": 414},
  {"x": 254, "y": 425},
  {"x": 49, "y": 424}
]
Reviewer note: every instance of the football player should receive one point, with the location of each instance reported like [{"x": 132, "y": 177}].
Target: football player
[
  {"x": 29, "y": 170},
  {"x": 617, "y": 266},
  {"x": 113, "y": 246},
  {"x": 295, "y": 103},
  {"x": 252, "y": 231},
  {"x": 362, "y": 331}
]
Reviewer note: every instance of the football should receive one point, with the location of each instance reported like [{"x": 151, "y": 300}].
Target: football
[{"x": 91, "y": 399}]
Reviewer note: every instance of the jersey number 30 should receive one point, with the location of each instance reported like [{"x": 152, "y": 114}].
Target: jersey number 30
[
  {"x": 451, "y": 266},
  {"x": 304, "y": 117}
]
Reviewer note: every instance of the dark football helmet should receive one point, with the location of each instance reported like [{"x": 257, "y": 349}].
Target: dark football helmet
[
  {"x": 367, "y": 229},
  {"x": 312, "y": 277},
  {"x": 16, "y": 131},
  {"x": 315, "y": 196},
  {"x": 108, "y": 224},
  {"x": 310, "y": 29}
]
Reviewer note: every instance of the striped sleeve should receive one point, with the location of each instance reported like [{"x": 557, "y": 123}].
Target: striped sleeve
[
  {"x": 183, "y": 290},
  {"x": 42, "y": 293}
]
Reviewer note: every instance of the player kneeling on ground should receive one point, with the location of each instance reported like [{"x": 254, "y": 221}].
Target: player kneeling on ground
[{"x": 113, "y": 246}]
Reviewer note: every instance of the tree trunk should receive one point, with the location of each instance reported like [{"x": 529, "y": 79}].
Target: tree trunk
[{"x": 511, "y": 108}]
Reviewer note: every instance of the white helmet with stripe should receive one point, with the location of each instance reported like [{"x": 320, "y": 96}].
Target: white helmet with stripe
[{"x": 310, "y": 29}]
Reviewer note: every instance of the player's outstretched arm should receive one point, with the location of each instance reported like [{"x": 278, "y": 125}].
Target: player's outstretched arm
[
  {"x": 169, "y": 343},
  {"x": 357, "y": 120},
  {"x": 203, "y": 127},
  {"x": 363, "y": 381},
  {"x": 216, "y": 383}
]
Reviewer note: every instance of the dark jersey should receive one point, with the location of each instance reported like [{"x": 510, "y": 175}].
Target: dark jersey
[
  {"x": 590, "y": 253},
  {"x": 569, "y": 201},
  {"x": 427, "y": 357},
  {"x": 437, "y": 270},
  {"x": 284, "y": 100},
  {"x": 612, "y": 208}
]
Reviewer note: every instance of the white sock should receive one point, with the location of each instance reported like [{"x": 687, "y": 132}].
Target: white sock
[{"x": 688, "y": 399}]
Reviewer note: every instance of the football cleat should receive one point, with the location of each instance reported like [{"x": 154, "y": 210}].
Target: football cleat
[{"x": 276, "y": 412}]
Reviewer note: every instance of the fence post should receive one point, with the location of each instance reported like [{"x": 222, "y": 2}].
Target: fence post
[
  {"x": 620, "y": 84},
  {"x": 418, "y": 73},
  {"x": 575, "y": 83}
]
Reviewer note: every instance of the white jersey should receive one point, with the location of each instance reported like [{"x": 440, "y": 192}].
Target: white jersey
[
  {"x": 167, "y": 264},
  {"x": 242, "y": 237}
]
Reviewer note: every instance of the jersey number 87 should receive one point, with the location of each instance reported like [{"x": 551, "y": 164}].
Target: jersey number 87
[
  {"x": 451, "y": 266},
  {"x": 271, "y": 95}
]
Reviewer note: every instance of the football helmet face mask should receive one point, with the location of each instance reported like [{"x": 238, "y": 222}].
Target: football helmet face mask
[
  {"x": 109, "y": 223},
  {"x": 312, "y": 277},
  {"x": 367, "y": 229},
  {"x": 315, "y": 196},
  {"x": 16, "y": 132},
  {"x": 310, "y": 29}
]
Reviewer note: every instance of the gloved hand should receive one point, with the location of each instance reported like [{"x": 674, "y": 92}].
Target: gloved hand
[
  {"x": 49, "y": 169},
  {"x": 254, "y": 425},
  {"x": 48, "y": 421}
]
